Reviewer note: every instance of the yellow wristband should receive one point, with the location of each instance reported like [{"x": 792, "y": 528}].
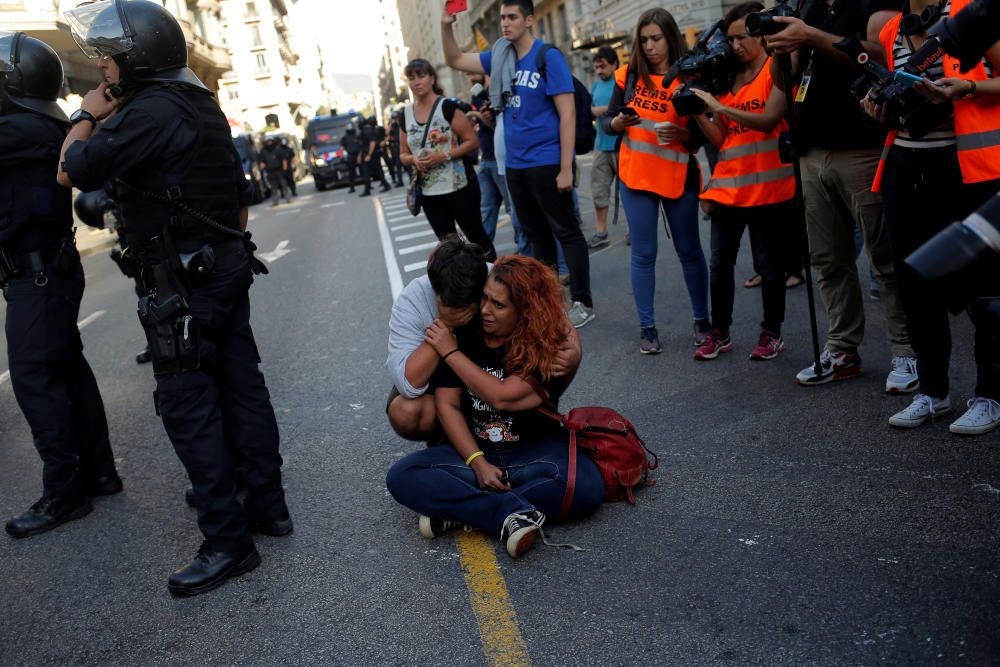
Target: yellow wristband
[{"x": 473, "y": 457}]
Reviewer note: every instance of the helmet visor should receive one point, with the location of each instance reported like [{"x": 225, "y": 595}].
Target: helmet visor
[
  {"x": 8, "y": 48},
  {"x": 98, "y": 29}
]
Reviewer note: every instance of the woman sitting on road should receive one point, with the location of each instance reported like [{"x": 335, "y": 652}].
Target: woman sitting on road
[
  {"x": 656, "y": 169},
  {"x": 506, "y": 467},
  {"x": 450, "y": 187}
]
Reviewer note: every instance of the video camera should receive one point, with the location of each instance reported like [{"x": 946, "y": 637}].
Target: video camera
[
  {"x": 762, "y": 24},
  {"x": 708, "y": 66},
  {"x": 462, "y": 105},
  {"x": 480, "y": 95}
]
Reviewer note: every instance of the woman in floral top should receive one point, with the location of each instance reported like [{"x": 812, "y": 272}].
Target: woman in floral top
[{"x": 450, "y": 187}]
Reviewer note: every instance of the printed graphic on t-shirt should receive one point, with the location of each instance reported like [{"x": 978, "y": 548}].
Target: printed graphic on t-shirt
[
  {"x": 488, "y": 423},
  {"x": 496, "y": 431}
]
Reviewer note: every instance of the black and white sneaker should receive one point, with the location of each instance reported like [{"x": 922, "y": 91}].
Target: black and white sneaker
[
  {"x": 431, "y": 528},
  {"x": 520, "y": 530}
]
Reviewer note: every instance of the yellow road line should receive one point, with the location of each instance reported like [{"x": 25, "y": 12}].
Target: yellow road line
[{"x": 498, "y": 627}]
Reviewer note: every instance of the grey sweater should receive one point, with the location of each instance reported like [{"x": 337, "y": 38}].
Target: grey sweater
[{"x": 414, "y": 311}]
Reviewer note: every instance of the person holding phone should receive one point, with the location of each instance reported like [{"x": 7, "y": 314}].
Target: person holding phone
[
  {"x": 505, "y": 467},
  {"x": 657, "y": 168},
  {"x": 928, "y": 182}
]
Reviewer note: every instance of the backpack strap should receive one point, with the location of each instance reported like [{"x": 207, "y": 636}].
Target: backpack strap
[
  {"x": 540, "y": 59},
  {"x": 547, "y": 409}
]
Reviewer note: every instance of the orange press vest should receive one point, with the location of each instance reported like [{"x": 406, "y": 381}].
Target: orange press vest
[
  {"x": 977, "y": 118},
  {"x": 750, "y": 171},
  {"x": 643, "y": 164}
]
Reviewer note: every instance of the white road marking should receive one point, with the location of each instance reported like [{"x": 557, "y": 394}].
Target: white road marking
[
  {"x": 416, "y": 266},
  {"x": 4, "y": 377},
  {"x": 414, "y": 235},
  {"x": 417, "y": 248},
  {"x": 336, "y": 203},
  {"x": 289, "y": 211},
  {"x": 395, "y": 277},
  {"x": 280, "y": 251},
  {"x": 90, "y": 319},
  {"x": 410, "y": 225}
]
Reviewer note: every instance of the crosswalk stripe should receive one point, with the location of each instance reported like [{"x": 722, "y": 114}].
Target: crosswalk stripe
[
  {"x": 417, "y": 248},
  {"x": 416, "y": 266},
  {"x": 410, "y": 225},
  {"x": 414, "y": 235}
]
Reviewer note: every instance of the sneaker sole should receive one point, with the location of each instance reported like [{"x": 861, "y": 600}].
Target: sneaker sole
[
  {"x": 656, "y": 351},
  {"x": 425, "y": 528},
  {"x": 585, "y": 322},
  {"x": 246, "y": 565},
  {"x": 899, "y": 390},
  {"x": 707, "y": 357},
  {"x": 78, "y": 513},
  {"x": 907, "y": 424},
  {"x": 845, "y": 374},
  {"x": 767, "y": 357},
  {"x": 972, "y": 430},
  {"x": 524, "y": 539}
]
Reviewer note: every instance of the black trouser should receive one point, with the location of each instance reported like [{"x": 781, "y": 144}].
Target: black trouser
[
  {"x": 396, "y": 169},
  {"x": 353, "y": 169},
  {"x": 768, "y": 228},
  {"x": 53, "y": 383},
  {"x": 289, "y": 175},
  {"x": 372, "y": 170},
  {"x": 547, "y": 215},
  {"x": 461, "y": 206},
  {"x": 276, "y": 181},
  {"x": 222, "y": 408},
  {"x": 922, "y": 193}
]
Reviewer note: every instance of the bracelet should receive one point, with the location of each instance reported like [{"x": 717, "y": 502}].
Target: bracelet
[
  {"x": 449, "y": 354},
  {"x": 447, "y": 154},
  {"x": 475, "y": 455}
]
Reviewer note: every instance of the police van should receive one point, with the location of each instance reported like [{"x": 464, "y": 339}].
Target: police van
[{"x": 327, "y": 157}]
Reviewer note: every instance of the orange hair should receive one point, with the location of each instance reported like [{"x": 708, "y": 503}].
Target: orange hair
[{"x": 542, "y": 323}]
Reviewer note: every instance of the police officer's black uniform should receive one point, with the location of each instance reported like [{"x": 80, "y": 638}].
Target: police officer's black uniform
[
  {"x": 272, "y": 160},
  {"x": 43, "y": 283},
  {"x": 351, "y": 142},
  {"x": 180, "y": 188},
  {"x": 395, "y": 162},
  {"x": 288, "y": 154},
  {"x": 372, "y": 167}
]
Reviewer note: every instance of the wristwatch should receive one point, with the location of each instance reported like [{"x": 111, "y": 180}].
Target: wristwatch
[{"x": 80, "y": 115}]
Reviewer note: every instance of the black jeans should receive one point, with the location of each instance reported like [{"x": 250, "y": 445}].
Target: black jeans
[
  {"x": 922, "y": 193},
  {"x": 547, "y": 215},
  {"x": 768, "y": 230},
  {"x": 276, "y": 181},
  {"x": 372, "y": 171},
  {"x": 353, "y": 169},
  {"x": 224, "y": 409},
  {"x": 53, "y": 384},
  {"x": 461, "y": 206}
]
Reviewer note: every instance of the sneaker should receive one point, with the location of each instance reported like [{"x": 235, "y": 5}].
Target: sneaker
[
  {"x": 579, "y": 315},
  {"x": 649, "y": 341},
  {"x": 874, "y": 293},
  {"x": 833, "y": 365},
  {"x": 431, "y": 528},
  {"x": 714, "y": 345},
  {"x": 520, "y": 530},
  {"x": 982, "y": 416},
  {"x": 923, "y": 408},
  {"x": 902, "y": 379},
  {"x": 769, "y": 345},
  {"x": 564, "y": 279},
  {"x": 700, "y": 331},
  {"x": 598, "y": 240}
]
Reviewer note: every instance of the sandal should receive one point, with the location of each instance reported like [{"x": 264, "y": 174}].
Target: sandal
[
  {"x": 793, "y": 281},
  {"x": 755, "y": 281}
]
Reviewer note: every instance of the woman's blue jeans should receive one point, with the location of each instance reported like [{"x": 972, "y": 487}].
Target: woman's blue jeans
[
  {"x": 643, "y": 212},
  {"x": 437, "y": 483}
]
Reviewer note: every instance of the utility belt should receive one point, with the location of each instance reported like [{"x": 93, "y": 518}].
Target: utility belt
[{"x": 59, "y": 258}]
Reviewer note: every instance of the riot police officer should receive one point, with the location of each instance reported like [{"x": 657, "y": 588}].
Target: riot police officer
[
  {"x": 351, "y": 142},
  {"x": 179, "y": 185},
  {"x": 372, "y": 157},
  {"x": 274, "y": 164},
  {"x": 43, "y": 283},
  {"x": 288, "y": 154},
  {"x": 395, "y": 163}
]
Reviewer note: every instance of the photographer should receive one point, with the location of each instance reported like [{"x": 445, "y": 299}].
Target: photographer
[
  {"x": 437, "y": 154},
  {"x": 656, "y": 169},
  {"x": 928, "y": 181},
  {"x": 750, "y": 188},
  {"x": 842, "y": 154}
]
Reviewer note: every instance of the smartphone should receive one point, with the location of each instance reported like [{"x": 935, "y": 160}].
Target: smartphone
[
  {"x": 907, "y": 78},
  {"x": 456, "y": 6},
  {"x": 629, "y": 111}
]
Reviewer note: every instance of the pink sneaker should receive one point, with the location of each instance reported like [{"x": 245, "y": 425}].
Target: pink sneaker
[
  {"x": 769, "y": 346},
  {"x": 713, "y": 346}
]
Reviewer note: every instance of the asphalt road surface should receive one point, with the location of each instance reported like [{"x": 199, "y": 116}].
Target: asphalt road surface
[{"x": 788, "y": 525}]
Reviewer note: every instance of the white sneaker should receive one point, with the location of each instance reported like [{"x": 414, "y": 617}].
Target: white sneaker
[
  {"x": 579, "y": 315},
  {"x": 902, "y": 379},
  {"x": 982, "y": 416},
  {"x": 920, "y": 410}
]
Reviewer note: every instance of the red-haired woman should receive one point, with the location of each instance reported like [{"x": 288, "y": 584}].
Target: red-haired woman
[{"x": 506, "y": 467}]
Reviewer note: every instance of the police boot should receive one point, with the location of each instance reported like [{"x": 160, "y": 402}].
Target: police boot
[
  {"x": 274, "y": 528},
  {"x": 210, "y": 569},
  {"x": 107, "y": 485},
  {"x": 144, "y": 357},
  {"x": 48, "y": 513}
]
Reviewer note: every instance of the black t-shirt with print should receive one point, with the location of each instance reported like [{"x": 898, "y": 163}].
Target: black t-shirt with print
[
  {"x": 495, "y": 429},
  {"x": 831, "y": 116}
]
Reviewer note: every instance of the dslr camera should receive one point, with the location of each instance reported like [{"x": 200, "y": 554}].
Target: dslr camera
[
  {"x": 762, "y": 24},
  {"x": 708, "y": 66}
]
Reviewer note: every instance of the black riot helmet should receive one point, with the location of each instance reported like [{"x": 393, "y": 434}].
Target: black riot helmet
[
  {"x": 31, "y": 75},
  {"x": 142, "y": 37}
]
